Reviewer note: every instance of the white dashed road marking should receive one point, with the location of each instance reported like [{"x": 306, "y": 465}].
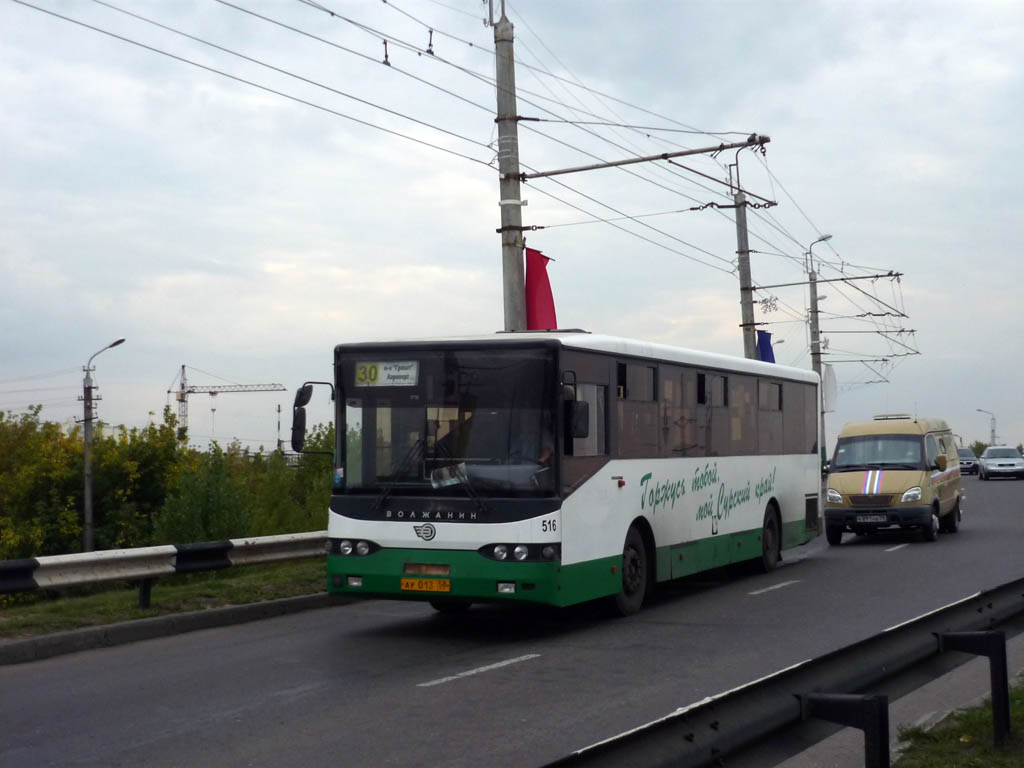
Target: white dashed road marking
[
  {"x": 780, "y": 585},
  {"x": 898, "y": 546},
  {"x": 478, "y": 670}
]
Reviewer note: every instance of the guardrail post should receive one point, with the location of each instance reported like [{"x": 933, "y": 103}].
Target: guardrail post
[
  {"x": 145, "y": 590},
  {"x": 870, "y": 713},
  {"x": 993, "y": 645}
]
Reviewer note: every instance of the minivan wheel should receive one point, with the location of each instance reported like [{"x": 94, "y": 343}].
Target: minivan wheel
[
  {"x": 931, "y": 531},
  {"x": 834, "y": 535},
  {"x": 951, "y": 522}
]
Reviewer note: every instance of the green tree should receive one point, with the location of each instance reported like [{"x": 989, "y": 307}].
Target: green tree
[
  {"x": 40, "y": 486},
  {"x": 977, "y": 447}
]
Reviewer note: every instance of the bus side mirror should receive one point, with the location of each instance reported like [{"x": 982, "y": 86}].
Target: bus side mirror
[
  {"x": 299, "y": 425},
  {"x": 940, "y": 462},
  {"x": 577, "y": 417},
  {"x": 303, "y": 395}
]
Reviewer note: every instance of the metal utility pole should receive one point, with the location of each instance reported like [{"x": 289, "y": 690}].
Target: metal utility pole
[
  {"x": 812, "y": 279},
  {"x": 88, "y": 417},
  {"x": 991, "y": 425},
  {"x": 746, "y": 288},
  {"x": 510, "y": 201}
]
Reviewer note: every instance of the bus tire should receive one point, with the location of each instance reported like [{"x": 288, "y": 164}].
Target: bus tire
[
  {"x": 450, "y": 607},
  {"x": 634, "y": 574},
  {"x": 834, "y": 535},
  {"x": 771, "y": 539}
]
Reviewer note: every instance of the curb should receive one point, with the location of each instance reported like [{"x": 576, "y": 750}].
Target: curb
[{"x": 72, "y": 641}]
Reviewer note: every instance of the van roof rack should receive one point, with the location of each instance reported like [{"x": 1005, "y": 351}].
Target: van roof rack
[{"x": 888, "y": 416}]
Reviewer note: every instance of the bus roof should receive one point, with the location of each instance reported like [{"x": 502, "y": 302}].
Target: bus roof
[{"x": 583, "y": 340}]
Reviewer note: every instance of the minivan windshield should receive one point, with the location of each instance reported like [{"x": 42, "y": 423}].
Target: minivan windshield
[{"x": 879, "y": 452}]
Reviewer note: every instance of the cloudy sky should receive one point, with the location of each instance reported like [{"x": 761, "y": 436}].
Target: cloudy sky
[{"x": 241, "y": 200}]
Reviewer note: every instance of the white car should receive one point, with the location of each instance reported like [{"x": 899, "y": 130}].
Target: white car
[{"x": 1000, "y": 461}]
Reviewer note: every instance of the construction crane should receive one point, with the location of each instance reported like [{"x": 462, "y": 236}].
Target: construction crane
[{"x": 185, "y": 389}]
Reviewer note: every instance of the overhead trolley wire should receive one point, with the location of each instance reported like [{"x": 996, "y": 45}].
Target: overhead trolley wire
[
  {"x": 256, "y": 85},
  {"x": 288, "y": 73}
]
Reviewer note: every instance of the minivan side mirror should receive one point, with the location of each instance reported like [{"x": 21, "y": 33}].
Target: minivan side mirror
[{"x": 940, "y": 462}]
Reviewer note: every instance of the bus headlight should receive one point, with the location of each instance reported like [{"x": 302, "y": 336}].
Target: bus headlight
[
  {"x": 914, "y": 494},
  {"x": 549, "y": 552},
  {"x": 500, "y": 552},
  {"x": 521, "y": 552},
  {"x": 832, "y": 496},
  {"x": 362, "y": 548},
  {"x": 345, "y": 547}
]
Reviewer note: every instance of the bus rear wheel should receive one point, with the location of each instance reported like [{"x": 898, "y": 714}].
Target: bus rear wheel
[
  {"x": 771, "y": 540},
  {"x": 634, "y": 574}
]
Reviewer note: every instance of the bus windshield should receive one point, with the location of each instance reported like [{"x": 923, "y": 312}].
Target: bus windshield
[
  {"x": 449, "y": 422},
  {"x": 879, "y": 452}
]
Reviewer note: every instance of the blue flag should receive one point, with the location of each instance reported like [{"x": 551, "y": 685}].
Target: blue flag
[{"x": 764, "y": 347}]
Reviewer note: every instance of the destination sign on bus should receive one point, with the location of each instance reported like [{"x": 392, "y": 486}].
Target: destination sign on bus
[{"x": 394, "y": 373}]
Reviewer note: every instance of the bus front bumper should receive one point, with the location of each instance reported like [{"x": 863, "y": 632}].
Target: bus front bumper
[{"x": 419, "y": 574}]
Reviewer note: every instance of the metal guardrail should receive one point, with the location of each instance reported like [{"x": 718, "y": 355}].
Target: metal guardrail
[
  {"x": 704, "y": 733},
  {"x": 145, "y": 564}
]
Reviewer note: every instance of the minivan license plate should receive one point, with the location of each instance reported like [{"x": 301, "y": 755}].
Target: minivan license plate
[{"x": 872, "y": 519}]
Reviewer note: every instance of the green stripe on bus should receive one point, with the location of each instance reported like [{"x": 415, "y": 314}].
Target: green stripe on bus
[{"x": 692, "y": 557}]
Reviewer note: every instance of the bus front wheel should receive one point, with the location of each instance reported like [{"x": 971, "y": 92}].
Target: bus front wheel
[{"x": 634, "y": 574}]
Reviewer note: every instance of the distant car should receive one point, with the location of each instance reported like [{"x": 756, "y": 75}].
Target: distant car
[
  {"x": 1000, "y": 461},
  {"x": 968, "y": 461}
]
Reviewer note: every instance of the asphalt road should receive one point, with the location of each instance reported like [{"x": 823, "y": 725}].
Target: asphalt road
[{"x": 381, "y": 683}]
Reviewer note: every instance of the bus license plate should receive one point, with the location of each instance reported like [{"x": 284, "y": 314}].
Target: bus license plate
[
  {"x": 426, "y": 585},
  {"x": 872, "y": 519}
]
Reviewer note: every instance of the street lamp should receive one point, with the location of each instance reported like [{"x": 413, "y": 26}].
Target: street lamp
[
  {"x": 812, "y": 281},
  {"x": 87, "y": 399},
  {"x": 991, "y": 425}
]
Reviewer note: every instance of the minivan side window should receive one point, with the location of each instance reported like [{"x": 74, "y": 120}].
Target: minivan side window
[{"x": 931, "y": 450}]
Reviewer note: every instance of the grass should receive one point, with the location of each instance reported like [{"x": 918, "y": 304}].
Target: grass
[
  {"x": 964, "y": 739},
  {"x": 36, "y": 614}
]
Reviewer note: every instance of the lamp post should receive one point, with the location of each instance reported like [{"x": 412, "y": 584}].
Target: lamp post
[
  {"x": 991, "y": 425},
  {"x": 812, "y": 281},
  {"x": 87, "y": 399}
]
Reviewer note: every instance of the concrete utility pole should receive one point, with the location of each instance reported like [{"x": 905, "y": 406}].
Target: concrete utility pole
[
  {"x": 746, "y": 288},
  {"x": 513, "y": 277},
  {"x": 812, "y": 279},
  {"x": 88, "y": 417}
]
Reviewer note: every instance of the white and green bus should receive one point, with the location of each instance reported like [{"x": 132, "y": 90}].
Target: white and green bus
[{"x": 559, "y": 467}]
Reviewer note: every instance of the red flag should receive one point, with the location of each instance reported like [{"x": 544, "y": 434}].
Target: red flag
[{"x": 540, "y": 305}]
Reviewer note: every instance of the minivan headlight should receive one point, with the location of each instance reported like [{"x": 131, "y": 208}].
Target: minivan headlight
[
  {"x": 913, "y": 494},
  {"x": 832, "y": 496}
]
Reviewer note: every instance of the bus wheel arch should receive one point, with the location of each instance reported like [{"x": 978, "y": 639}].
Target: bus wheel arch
[
  {"x": 771, "y": 536},
  {"x": 638, "y": 572}
]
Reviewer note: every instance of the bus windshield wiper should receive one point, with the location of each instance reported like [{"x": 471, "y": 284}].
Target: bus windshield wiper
[
  {"x": 410, "y": 456},
  {"x": 458, "y": 472}
]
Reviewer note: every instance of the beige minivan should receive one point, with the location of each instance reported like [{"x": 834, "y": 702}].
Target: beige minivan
[{"x": 893, "y": 471}]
